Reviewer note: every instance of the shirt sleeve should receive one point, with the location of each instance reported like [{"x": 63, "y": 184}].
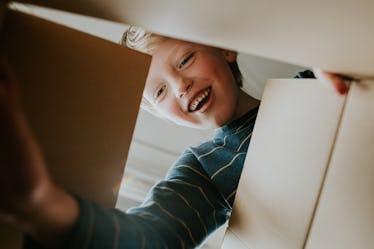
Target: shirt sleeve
[
  {"x": 179, "y": 212},
  {"x": 307, "y": 74}
]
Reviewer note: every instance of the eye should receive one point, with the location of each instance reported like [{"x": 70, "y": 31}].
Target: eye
[
  {"x": 186, "y": 60},
  {"x": 159, "y": 92}
]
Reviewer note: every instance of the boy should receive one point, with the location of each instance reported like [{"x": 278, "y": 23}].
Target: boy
[{"x": 190, "y": 84}]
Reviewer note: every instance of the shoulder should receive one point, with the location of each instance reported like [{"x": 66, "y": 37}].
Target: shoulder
[{"x": 186, "y": 165}]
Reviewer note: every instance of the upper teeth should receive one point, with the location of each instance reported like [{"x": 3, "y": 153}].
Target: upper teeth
[{"x": 197, "y": 100}]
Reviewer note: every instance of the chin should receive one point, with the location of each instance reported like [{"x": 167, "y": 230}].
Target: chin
[{"x": 222, "y": 120}]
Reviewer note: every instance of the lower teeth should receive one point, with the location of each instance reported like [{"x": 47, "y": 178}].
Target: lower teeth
[{"x": 201, "y": 103}]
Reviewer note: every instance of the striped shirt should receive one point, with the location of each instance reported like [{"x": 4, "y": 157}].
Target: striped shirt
[{"x": 180, "y": 211}]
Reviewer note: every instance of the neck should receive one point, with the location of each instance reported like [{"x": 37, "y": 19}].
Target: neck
[{"x": 245, "y": 104}]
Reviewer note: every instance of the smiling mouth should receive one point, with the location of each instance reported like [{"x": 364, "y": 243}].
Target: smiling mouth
[{"x": 200, "y": 100}]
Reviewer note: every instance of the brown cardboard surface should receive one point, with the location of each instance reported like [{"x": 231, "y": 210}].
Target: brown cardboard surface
[
  {"x": 285, "y": 165},
  {"x": 345, "y": 217},
  {"x": 81, "y": 95},
  {"x": 10, "y": 238},
  {"x": 3, "y": 9},
  {"x": 336, "y": 36}
]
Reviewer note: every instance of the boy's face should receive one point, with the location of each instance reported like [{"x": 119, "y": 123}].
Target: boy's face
[{"x": 192, "y": 85}]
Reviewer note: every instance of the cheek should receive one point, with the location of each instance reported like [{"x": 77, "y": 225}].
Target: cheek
[
  {"x": 173, "y": 113},
  {"x": 170, "y": 109},
  {"x": 220, "y": 71},
  {"x": 226, "y": 74},
  {"x": 211, "y": 69}
]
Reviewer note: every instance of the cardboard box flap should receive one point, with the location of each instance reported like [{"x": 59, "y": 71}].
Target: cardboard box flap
[
  {"x": 81, "y": 95},
  {"x": 344, "y": 217},
  {"x": 320, "y": 33},
  {"x": 285, "y": 164}
]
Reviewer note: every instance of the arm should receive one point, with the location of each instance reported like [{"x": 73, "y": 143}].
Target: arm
[
  {"x": 179, "y": 212},
  {"x": 29, "y": 197}
]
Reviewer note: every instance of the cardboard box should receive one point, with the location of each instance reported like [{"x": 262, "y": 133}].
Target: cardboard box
[
  {"x": 81, "y": 96},
  {"x": 302, "y": 197},
  {"x": 308, "y": 176}
]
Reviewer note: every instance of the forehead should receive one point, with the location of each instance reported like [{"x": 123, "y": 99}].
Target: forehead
[
  {"x": 169, "y": 47},
  {"x": 167, "y": 54}
]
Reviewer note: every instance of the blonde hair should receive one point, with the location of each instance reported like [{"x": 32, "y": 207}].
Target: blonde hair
[
  {"x": 141, "y": 40},
  {"x": 147, "y": 42}
]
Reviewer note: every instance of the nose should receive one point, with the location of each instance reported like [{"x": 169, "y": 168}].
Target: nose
[{"x": 183, "y": 85}]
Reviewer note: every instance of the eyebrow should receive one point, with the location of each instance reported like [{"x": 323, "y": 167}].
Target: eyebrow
[{"x": 179, "y": 51}]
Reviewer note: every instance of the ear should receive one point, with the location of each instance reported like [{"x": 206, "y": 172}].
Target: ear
[{"x": 230, "y": 56}]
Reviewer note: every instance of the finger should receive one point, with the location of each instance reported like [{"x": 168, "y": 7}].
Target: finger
[{"x": 334, "y": 81}]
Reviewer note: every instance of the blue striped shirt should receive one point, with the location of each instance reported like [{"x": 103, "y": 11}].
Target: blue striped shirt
[{"x": 180, "y": 211}]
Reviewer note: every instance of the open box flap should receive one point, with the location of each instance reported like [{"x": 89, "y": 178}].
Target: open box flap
[
  {"x": 81, "y": 96},
  {"x": 307, "y": 180},
  {"x": 320, "y": 33},
  {"x": 285, "y": 164},
  {"x": 344, "y": 217}
]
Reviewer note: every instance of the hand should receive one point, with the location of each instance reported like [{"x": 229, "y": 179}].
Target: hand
[
  {"x": 335, "y": 81},
  {"x": 29, "y": 198},
  {"x": 23, "y": 175}
]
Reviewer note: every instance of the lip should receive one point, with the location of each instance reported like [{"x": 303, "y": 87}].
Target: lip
[{"x": 207, "y": 103}]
